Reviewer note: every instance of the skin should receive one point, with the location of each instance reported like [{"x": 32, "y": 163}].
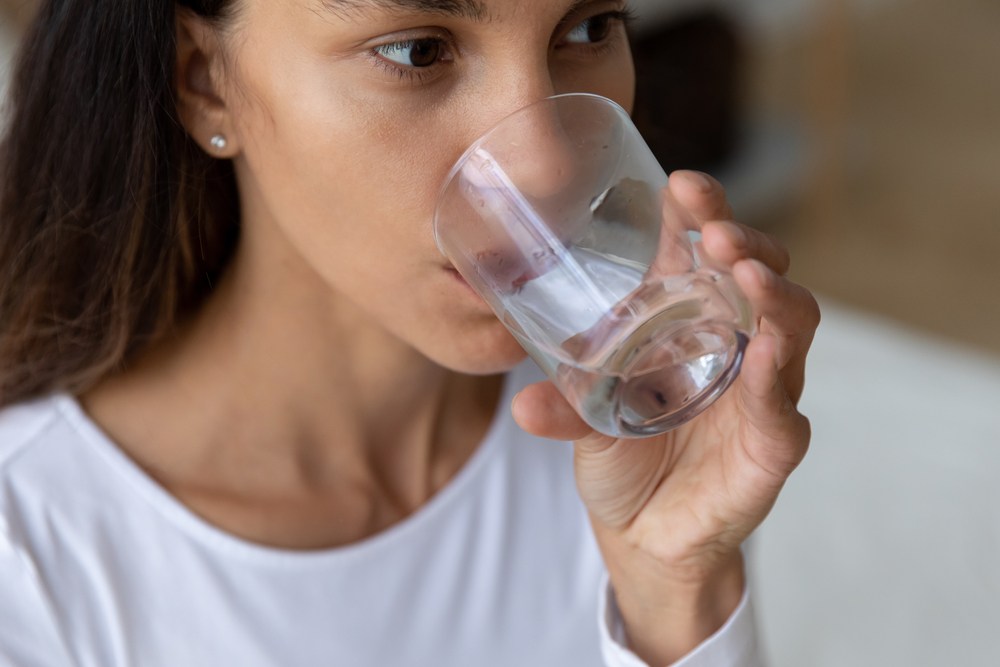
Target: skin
[{"x": 341, "y": 373}]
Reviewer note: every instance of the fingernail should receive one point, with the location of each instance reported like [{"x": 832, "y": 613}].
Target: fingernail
[
  {"x": 736, "y": 235},
  {"x": 765, "y": 274},
  {"x": 698, "y": 180}
]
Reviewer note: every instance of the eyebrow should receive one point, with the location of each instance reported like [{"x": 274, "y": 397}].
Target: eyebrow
[{"x": 466, "y": 9}]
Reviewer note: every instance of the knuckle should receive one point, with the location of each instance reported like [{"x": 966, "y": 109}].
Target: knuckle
[
  {"x": 805, "y": 434},
  {"x": 782, "y": 258},
  {"x": 813, "y": 314},
  {"x": 806, "y": 427},
  {"x": 786, "y": 409}
]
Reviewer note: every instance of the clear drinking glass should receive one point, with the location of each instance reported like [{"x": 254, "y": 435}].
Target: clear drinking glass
[{"x": 560, "y": 218}]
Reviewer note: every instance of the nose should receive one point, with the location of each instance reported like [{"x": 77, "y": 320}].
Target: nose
[
  {"x": 531, "y": 144},
  {"x": 544, "y": 162}
]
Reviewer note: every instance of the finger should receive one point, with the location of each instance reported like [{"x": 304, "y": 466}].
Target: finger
[
  {"x": 701, "y": 194},
  {"x": 675, "y": 255},
  {"x": 789, "y": 309},
  {"x": 776, "y": 435},
  {"x": 789, "y": 312},
  {"x": 729, "y": 242},
  {"x": 542, "y": 411}
]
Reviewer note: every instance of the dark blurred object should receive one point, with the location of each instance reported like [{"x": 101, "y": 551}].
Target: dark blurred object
[{"x": 687, "y": 94}]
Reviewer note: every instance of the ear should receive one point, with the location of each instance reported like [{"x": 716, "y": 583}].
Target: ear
[{"x": 200, "y": 83}]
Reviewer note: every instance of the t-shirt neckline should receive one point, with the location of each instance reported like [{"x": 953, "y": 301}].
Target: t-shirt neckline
[{"x": 199, "y": 529}]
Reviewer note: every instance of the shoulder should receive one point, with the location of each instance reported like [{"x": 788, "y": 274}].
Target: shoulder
[
  {"x": 28, "y": 632},
  {"x": 26, "y": 424},
  {"x": 44, "y": 463}
]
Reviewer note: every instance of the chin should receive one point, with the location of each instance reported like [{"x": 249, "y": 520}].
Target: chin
[{"x": 485, "y": 349}]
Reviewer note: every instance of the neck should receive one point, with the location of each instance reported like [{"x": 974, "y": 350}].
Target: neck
[{"x": 281, "y": 389}]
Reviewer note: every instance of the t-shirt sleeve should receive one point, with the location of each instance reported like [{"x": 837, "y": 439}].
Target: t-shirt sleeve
[
  {"x": 29, "y": 634},
  {"x": 734, "y": 645}
]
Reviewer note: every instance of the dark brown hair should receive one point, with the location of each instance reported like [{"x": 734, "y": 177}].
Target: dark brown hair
[{"x": 113, "y": 223}]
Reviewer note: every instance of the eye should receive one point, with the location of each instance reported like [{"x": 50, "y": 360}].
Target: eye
[
  {"x": 412, "y": 53},
  {"x": 592, "y": 31}
]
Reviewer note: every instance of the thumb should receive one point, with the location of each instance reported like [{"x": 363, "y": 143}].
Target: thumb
[{"x": 542, "y": 411}]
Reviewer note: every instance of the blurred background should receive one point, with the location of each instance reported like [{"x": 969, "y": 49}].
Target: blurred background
[{"x": 866, "y": 135}]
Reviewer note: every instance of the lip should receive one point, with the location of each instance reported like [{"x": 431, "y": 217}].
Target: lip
[
  {"x": 453, "y": 272},
  {"x": 457, "y": 277}
]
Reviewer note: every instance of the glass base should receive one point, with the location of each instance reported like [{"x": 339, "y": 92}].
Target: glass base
[
  {"x": 671, "y": 377},
  {"x": 674, "y": 380},
  {"x": 653, "y": 370}
]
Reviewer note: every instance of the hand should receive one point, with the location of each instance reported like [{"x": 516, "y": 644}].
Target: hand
[{"x": 670, "y": 512}]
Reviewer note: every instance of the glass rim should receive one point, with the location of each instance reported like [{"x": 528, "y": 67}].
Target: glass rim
[{"x": 606, "y": 101}]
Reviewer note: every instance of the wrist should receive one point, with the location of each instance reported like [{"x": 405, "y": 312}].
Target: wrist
[
  {"x": 665, "y": 621},
  {"x": 668, "y": 611}
]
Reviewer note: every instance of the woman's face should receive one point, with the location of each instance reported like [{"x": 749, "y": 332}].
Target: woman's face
[{"x": 350, "y": 113}]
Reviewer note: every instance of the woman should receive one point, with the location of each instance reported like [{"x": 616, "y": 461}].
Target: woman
[{"x": 253, "y": 417}]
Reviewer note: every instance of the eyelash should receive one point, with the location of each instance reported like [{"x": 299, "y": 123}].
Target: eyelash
[
  {"x": 412, "y": 73},
  {"x": 624, "y": 16}
]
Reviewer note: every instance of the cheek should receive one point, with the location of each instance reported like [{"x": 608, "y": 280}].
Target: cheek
[
  {"x": 354, "y": 193},
  {"x": 351, "y": 182}
]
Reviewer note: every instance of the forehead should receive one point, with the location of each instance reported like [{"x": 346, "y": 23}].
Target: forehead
[{"x": 467, "y": 9}]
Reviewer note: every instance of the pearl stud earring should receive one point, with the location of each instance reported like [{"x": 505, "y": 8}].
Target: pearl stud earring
[{"x": 218, "y": 142}]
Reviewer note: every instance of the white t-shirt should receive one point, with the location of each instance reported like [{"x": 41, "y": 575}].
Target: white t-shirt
[{"x": 101, "y": 567}]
